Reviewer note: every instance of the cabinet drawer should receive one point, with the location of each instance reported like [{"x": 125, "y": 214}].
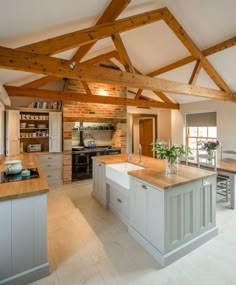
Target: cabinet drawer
[
  {"x": 52, "y": 158},
  {"x": 119, "y": 200},
  {"x": 53, "y": 175},
  {"x": 142, "y": 186}
]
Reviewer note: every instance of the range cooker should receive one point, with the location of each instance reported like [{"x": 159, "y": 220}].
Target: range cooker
[{"x": 82, "y": 164}]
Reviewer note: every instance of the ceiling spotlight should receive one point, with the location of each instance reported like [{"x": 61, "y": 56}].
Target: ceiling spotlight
[{"x": 72, "y": 65}]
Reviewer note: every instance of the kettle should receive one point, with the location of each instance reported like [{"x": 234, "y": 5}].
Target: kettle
[{"x": 91, "y": 144}]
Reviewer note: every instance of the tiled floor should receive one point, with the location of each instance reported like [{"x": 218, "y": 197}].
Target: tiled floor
[{"x": 88, "y": 245}]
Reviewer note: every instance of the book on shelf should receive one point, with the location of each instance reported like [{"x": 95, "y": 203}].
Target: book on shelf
[{"x": 56, "y": 105}]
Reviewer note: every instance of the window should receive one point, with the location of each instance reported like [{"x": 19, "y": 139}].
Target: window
[
  {"x": 194, "y": 135},
  {"x": 200, "y": 127}
]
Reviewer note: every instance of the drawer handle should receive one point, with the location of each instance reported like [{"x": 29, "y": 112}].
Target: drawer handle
[
  {"x": 144, "y": 186},
  {"x": 119, "y": 200}
]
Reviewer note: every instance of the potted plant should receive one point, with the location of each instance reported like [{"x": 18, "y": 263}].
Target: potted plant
[{"x": 171, "y": 154}]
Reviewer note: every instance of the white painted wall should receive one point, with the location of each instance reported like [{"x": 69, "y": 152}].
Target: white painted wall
[
  {"x": 164, "y": 126},
  {"x": 177, "y": 124},
  {"x": 226, "y": 120}
]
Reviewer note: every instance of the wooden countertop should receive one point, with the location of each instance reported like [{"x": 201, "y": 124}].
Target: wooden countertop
[
  {"x": 23, "y": 188},
  {"x": 227, "y": 165},
  {"x": 154, "y": 171}
]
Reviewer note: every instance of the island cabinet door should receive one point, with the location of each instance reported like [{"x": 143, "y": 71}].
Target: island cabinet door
[
  {"x": 99, "y": 182},
  {"x": 147, "y": 212},
  {"x": 138, "y": 207},
  {"x": 205, "y": 203},
  {"x": 155, "y": 217}
]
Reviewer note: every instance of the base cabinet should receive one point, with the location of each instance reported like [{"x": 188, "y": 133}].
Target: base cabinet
[
  {"x": 170, "y": 223},
  {"x": 147, "y": 212},
  {"x": 99, "y": 183},
  {"x": 52, "y": 165},
  {"x": 119, "y": 201},
  {"x": 23, "y": 242}
]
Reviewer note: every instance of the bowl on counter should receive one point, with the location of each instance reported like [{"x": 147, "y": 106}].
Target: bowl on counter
[
  {"x": 12, "y": 167},
  {"x": 25, "y": 173}
]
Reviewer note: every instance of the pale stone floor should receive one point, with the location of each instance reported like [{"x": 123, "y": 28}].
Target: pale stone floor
[{"x": 89, "y": 245}]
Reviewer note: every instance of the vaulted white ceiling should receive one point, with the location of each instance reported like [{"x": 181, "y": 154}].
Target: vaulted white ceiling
[{"x": 150, "y": 47}]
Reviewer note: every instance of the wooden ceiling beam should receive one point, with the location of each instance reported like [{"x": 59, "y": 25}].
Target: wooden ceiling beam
[
  {"x": 194, "y": 50},
  {"x": 209, "y": 51},
  {"x": 112, "y": 11},
  {"x": 40, "y": 82},
  {"x": 75, "y": 39},
  {"x": 110, "y": 14},
  {"x": 78, "y": 97},
  {"x": 86, "y": 87},
  {"x": 143, "y": 96},
  {"x": 48, "y": 79},
  {"x": 195, "y": 73},
  {"x": 123, "y": 55},
  {"x": 31, "y": 62}
]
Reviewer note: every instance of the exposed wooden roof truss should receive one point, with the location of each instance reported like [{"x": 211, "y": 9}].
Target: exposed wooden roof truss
[{"x": 36, "y": 58}]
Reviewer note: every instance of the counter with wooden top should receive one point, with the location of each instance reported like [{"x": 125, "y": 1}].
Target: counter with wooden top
[
  {"x": 23, "y": 224},
  {"x": 168, "y": 224},
  {"x": 154, "y": 171},
  {"x": 27, "y": 187}
]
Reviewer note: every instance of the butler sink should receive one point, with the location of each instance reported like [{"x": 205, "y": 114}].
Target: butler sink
[{"x": 118, "y": 172}]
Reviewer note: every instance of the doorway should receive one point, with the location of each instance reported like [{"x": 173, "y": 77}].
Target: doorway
[{"x": 144, "y": 132}]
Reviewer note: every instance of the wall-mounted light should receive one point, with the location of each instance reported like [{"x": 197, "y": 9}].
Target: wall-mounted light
[
  {"x": 102, "y": 92},
  {"x": 72, "y": 65}
]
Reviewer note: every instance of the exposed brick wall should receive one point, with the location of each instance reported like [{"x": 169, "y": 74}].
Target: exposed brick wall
[{"x": 93, "y": 112}]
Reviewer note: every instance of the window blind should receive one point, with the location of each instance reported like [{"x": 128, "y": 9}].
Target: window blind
[{"x": 201, "y": 120}]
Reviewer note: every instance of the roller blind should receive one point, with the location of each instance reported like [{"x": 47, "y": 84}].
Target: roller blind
[{"x": 201, "y": 120}]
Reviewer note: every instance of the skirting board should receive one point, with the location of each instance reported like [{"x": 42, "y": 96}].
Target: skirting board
[
  {"x": 27, "y": 276},
  {"x": 170, "y": 257}
]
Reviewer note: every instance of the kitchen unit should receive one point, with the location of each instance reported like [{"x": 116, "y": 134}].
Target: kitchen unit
[
  {"x": 169, "y": 215},
  {"x": 23, "y": 223},
  {"x": 30, "y": 130}
]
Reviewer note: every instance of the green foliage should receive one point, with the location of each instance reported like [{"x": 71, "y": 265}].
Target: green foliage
[{"x": 171, "y": 153}]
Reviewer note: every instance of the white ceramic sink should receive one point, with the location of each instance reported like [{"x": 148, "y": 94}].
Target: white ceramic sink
[{"x": 118, "y": 172}]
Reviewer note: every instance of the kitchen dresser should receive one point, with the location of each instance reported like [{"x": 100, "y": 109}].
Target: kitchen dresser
[{"x": 26, "y": 127}]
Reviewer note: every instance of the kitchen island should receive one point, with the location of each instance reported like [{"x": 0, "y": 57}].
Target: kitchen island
[
  {"x": 23, "y": 224},
  {"x": 169, "y": 215}
]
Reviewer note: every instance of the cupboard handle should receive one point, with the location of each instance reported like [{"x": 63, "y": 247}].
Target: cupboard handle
[
  {"x": 119, "y": 200},
  {"x": 144, "y": 186}
]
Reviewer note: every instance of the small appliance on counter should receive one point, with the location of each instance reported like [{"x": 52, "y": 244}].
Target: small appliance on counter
[{"x": 34, "y": 148}]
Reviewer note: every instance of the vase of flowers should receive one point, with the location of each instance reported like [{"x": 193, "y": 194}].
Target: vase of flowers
[
  {"x": 210, "y": 146},
  {"x": 171, "y": 154}
]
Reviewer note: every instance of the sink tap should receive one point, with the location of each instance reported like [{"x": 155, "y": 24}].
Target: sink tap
[{"x": 140, "y": 153}]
